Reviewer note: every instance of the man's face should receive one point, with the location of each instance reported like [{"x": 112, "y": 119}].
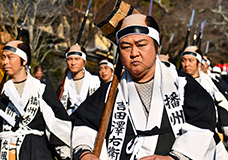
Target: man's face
[
  {"x": 138, "y": 56},
  {"x": 75, "y": 63},
  {"x": 105, "y": 73},
  {"x": 11, "y": 63},
  {"x": 190, "y": 65}
]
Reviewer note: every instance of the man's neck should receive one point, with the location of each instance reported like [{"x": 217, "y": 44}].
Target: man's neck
[
  {"x": 196, "y": 75},
  {"x": 78, "y": 75},
  {"x": 19, "y": 77}
]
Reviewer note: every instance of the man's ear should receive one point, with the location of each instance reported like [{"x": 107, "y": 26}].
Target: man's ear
[
  {"x": 24, "y": 63},
  {"x": 158, "y": 49}
]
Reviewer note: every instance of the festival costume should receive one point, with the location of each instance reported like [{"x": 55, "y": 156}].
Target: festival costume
[
  {"x": 181, "y": 118},
  {"x": 26, "y": 120},
  {"x": 70, "y": 99},
  {"x": 221, "y": 103}
]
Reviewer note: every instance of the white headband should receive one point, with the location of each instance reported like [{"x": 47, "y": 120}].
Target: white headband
[
  {"x": 137, "y": 29},
  {"x": 195, "y": 54},
  {"x": 76, "y": 53},
  {"x": 17, "y": 51},
  {"x": 107, "y": 63}
]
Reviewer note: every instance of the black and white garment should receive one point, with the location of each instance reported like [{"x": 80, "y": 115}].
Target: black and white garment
[
  {"x": 70, "y": 99},
  {"x": 221, "y": 106},
  {"x": 181, "y": 119},
  {"x": 25, "y": 119}
]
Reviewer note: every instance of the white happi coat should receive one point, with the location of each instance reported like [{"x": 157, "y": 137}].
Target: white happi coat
[
  {"x": 89, "y": 86},
  {"x": 27, "y": 107},
  {"x": 167, "y": 85}
]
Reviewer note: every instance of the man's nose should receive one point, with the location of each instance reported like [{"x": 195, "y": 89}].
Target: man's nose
[{"x": 134, "y": 51}]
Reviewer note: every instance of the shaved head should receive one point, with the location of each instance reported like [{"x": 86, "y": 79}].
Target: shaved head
[
  {"x": 134, "y": 19},
  {"x": 75, "y": 47},
  {"x": 14, "y": 43},
  {"x": 191, "y": 49}
]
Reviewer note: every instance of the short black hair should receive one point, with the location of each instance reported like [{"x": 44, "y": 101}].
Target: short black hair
[
  {"x": 26, "y": 48},
  {"x": 150, "y": 21},
  {"x": 36, "y": 68}
]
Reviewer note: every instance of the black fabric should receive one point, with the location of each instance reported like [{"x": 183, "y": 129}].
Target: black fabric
[
  {"x": 189, "y": 53},
  {"x": 165, "y": 141},
  {"x": 53, "y": 101},
  {"x": 35, "y": 148},
  {"x": 74, "y": 53},
  {"x": 198, "y": 105},
  {"x": 198, "y": 109},
  {"x": 10, "y": 48},
  {"x": 102, "y": 63},
  {"x": 132, "y": 29}
]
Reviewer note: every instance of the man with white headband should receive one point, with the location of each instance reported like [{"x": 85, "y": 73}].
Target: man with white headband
[
  {"x": 78, "y": 84},
  {"x": 105, "y": 70},
  {"x": 155, "y": 114},
  {"x": 191, "y": 62},
  {"x": 27, "y": 108}
]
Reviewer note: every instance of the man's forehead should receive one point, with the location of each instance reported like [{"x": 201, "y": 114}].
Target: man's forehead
[{"x": 134, "y": 19}]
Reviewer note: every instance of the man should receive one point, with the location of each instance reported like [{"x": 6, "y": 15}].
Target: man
[
  {"x": 79, "y": 83},
  {"x": 28, "y": 110},
  {"x": 105, "y": 70},
  {"x": 158, "y": 113},
  {"x": 191, "y": 62}
]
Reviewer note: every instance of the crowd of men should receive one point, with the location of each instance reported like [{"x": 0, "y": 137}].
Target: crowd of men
[{"x": 159, "y": 113}]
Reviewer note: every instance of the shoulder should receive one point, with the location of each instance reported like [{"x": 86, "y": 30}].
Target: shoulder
[
  {"x": 91, "y": 110},
  {"x": 4, "y": 100}
]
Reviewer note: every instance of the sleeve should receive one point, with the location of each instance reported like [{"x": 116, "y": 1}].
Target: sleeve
[
  {"x": 86, "y": 120},
  {"x": 90, "y": 112},
  {"x": 4, "y": 100},
  {"x": 55, "y": 116},
  {"x": 200, "y": 123}
]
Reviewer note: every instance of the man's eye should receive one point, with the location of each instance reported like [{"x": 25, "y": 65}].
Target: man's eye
[
  {"x": 125, "y": 47},
  {"x": 141, "y": 45}
]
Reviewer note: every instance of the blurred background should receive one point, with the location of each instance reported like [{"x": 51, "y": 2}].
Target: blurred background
[{"x": 53, "y": 25}]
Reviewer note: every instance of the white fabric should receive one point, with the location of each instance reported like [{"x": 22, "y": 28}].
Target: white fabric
[
  {"x": 20, "y": 53},
  {"x": 163, "y": 87},
  {"x": 83, "y": 54},
  {"x": 188, "y": 143},
  {"x": 89, "y": 86},
  {"x": 207, "y": 83},
  {"x": 198, "y": 56},
  {"x": 32, "y": 93},
  {"x": 195, "y": 143},
  {"x": 221, "y": 152},
  {"x": 16, "y": 107},
  {"x": 107, "y": 63},
  {"x": 153, "y": 33}
]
